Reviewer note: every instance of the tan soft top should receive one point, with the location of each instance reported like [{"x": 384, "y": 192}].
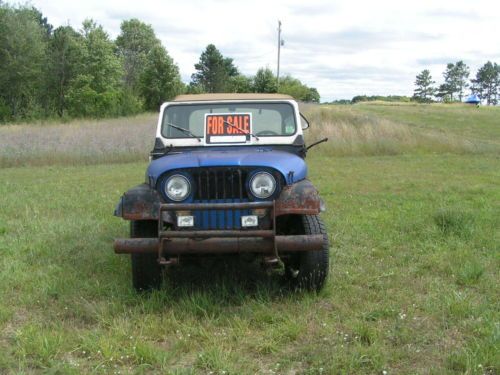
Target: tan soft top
[{"x": 229, "y": 96}]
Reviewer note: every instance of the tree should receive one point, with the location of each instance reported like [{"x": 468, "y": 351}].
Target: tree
[
  {"x": 134, "y": 43},
  {"x": 293, "y": 87},
  {"x": 265, "y": 81},
  {"x": 22, "y": 57},
  {"x": 443, "y": 93},
  {"x": 97, "y": 89},
  {"x": 461, "y": 75},
  {"x": 455, "y": 79},
  {"x": 213, "y": 70},
  {"x": 42, "y": 21},
  {"x": 424, "y": 87},
  {"x": 193, "y": 88},
  {"x": 487, "y": 82},
  {"x": 240, "y": 84},
  {"x": 160, "y": 80},
  {"x": 312, "y": 96},
  {"x": 450, "y": 85},
  {"x": 65, "y": 54}
]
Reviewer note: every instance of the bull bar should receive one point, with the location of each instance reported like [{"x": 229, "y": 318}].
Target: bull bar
[{"x": 187, "y": 242}]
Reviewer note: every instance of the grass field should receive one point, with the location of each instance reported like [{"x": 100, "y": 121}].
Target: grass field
[{"x": 415, "y": 262}]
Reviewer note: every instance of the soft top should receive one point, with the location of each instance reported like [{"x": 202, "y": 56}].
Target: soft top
[{"x": 230, "y": 96}]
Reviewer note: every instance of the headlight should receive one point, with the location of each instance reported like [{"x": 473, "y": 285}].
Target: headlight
[
  {"x": 177, "y": 187},
  {"x": 262, "y": 185}
]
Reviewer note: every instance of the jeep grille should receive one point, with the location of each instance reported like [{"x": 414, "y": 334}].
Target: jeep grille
[{"x": 220, "y": 183}]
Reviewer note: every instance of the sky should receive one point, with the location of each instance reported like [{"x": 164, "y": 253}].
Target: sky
[{"x": 343, "y": 48}]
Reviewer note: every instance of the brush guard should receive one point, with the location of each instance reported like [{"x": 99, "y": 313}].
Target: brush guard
[{"x": 171, "y": 244}]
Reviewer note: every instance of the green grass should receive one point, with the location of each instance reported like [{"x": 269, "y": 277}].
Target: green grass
[
  {"x": 413, "y": 200},
  {"x": 398, "y": 128},
  {"x": 464, "y": 120},
  {"x": 413, "y": 287}
]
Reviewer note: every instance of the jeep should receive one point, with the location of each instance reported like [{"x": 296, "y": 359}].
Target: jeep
[{"x": 227, "y": 175}]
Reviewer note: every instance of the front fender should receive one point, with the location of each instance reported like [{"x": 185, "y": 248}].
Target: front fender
[
  {"x": 300, "y": 198},
  {"x": 139, "y": 203}
]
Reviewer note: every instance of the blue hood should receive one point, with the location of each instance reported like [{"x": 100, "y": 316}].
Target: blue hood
[{"x": 288, "y": 164}]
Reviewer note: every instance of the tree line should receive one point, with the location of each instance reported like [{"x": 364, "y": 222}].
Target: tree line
[
  {"x": 48, "y": 72},
  {"x": 216, "y": 73},
  {"x": 485, "y": 84}
]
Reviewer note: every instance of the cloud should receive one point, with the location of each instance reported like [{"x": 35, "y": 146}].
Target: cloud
[
  {"x": 469, "y": 14},
  {"x": 341, "y": 48},
  {"x": 311, "y": 9},
  {"x": 426, "y": 61},
  {"x": 354, "y": 40}
]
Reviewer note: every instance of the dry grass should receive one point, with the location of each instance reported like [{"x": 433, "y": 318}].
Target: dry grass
[
  {"x": 79, "y": 142},
  {"x": 352, "y": 131}
]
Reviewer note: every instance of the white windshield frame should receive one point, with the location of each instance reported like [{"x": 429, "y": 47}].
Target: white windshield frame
[{"x": 264, "y": 140}]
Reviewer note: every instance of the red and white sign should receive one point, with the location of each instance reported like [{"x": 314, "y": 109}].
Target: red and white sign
[{"x": 228, "y": 127}]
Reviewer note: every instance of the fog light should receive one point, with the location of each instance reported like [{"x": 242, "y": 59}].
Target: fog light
[
  {"x": 249, "y": 221},
  {"x": 185, "y": 221}
]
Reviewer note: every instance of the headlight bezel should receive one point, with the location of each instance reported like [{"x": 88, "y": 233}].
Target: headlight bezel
[
  {"x": 183, "y": 177},
  {"x": 254, "y": 174}
]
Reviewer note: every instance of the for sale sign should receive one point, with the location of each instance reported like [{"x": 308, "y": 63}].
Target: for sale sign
[{"x": 228, "y": 127}]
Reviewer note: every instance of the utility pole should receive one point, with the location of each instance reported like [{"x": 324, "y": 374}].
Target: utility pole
[{"x": 279, "y": 47}]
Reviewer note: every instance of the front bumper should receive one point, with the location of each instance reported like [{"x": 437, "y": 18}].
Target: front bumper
[{"x": 173, "y": 243}]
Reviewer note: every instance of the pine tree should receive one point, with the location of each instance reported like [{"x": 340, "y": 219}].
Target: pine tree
[
  {"x": 461, "y": 75},
  {"x": 424, "y": 87},
  {"x": 213, "y": 71},
  {"x": 487, "y": 83}
]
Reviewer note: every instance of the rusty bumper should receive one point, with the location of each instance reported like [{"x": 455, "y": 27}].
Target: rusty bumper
[
  {"x": 218, "y": 245},
  {"x": 172, "y": 243}
]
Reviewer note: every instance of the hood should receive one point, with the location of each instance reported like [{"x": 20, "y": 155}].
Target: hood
[{"x": 292, "y": 167}]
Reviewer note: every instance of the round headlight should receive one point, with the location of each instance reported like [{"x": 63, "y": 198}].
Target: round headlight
[
  {"x": 177, "y": 187},
  {"x": 262, "y": 185}
]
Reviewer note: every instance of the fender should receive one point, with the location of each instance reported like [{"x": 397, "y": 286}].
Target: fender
[
  {"x": 139, "y": 203},
  {"x": 301, "y": 198}
]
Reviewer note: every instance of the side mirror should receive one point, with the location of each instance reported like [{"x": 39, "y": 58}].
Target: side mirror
[{"x": 303, "y": 122}]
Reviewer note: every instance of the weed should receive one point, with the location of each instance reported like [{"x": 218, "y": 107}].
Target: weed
[
  {"x": 454, "y": 221},
  {"x": 469, "y": 273}
]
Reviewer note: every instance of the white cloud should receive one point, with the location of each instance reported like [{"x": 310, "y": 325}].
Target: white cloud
[{"x": 342, "y": 48}]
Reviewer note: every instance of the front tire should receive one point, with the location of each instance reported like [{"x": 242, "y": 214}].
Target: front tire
[
  {"x": 146, "y": 272},
  {"x": 309, "y": 269}
]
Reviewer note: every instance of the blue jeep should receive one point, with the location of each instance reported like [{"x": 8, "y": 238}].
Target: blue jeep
[{"x": 227, "y": 176}]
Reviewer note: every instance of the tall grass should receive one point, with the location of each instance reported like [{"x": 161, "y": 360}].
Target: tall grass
[
  {"x": 351, "y": 131},
  {"x": 123, "y": 139}
]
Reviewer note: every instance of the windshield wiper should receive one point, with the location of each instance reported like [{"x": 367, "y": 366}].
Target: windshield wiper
[
  {"x": 184, "y": 131},
  {"x": 241, "y": 130}
]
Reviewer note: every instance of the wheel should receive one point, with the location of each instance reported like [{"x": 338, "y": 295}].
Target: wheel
[
  {"x": 309, "y": 269},
  {"x": 146, "y": 272}
]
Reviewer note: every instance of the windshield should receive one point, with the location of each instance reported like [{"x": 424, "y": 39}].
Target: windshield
[{"x": 265, "y": 119}]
